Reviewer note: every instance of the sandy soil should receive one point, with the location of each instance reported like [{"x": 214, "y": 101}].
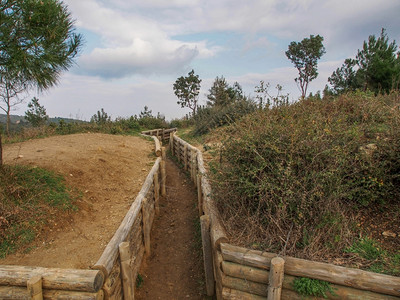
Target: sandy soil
[{"x": 109, "y": 171}]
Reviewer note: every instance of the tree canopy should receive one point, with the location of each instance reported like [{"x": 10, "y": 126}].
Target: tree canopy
[
  {"x": 187, "y": 90},
  {"x": 375, "y": 68},
  {"x": 37, "y": 43},
  {"x": 305, "y": 55},
  {"x": 221, "y": 94}
]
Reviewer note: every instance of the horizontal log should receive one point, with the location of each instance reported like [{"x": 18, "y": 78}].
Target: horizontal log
[
  {"x": 21, "y": 293},
  {"x": 251, "y": 274},
  {"x": 110, "y": 254},
  {"x": 53, "y": 278},
  {"x": 231, "y": 294},
  {"x": 358, "y": 279},
  {"x": 152, "y": 132},
  {"x": 244, "y": 286}
]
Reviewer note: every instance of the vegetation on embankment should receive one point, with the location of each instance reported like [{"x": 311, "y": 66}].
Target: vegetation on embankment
[
  {"x": 29, "y": 198},
  {"x": 317, "y": 179}
]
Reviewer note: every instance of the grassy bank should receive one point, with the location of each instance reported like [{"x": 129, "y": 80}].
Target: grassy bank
[
  {"x": 318, "y": 179},
  {"x": 29, "y": 198}
]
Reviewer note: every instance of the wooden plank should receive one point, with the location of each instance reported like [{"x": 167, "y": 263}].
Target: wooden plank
[
  {"x": 358, "y": 279},
  {"x": 276, "y": 278},
  {"x": 34, "y": 286},
  {"x": 53, "y": 278},
  {"x": 207, "y": 254},
  {"x": 21, "y": 293},
  {"x": 110, "y": 254},
  {"x": 126, "y": 271}
]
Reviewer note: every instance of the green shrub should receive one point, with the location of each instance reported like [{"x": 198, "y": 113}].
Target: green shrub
[
  {"x": 211, "y": 117},
  {"x": 312, "y": 287},
  {"x": 294, "y": 173}
]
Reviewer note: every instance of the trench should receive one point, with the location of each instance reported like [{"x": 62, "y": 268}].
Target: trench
[{"x": 174, "y": 268}]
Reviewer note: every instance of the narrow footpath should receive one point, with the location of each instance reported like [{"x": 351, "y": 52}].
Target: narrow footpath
[{"x": 174, "y": 269}]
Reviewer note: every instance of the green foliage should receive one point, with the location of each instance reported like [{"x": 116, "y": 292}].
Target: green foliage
[
  {"x": 305, "y": 55},
  {"x": 36, "y": 114},
  {"x": 312, "y": 287},
  {"x": 28, "y": 197},
  {"x": 101, "y": 117},
  {"x": 208, "y": 118},
  {"x": 221, "y": 94},
  {"x": 37, "y": 43},
  {"x": 375, "y": 68},
  {"x": 366, "y": 248},
  {"x": 187, "y": 90},
  {"x": 306, "y": 166},
  {"x": 139, "y": 280}
]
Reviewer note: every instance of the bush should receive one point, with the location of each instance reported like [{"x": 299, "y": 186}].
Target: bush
[
  {"x": 211, "y": 117},
  {"x": 293, "y": 173}
]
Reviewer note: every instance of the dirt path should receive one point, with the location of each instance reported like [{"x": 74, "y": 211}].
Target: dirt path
[
  {"x": 109, "y": 170},
  {"x": 174, "y": 269}
]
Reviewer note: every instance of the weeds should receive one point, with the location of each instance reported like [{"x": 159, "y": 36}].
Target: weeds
[{"x": 312, "y": 287}]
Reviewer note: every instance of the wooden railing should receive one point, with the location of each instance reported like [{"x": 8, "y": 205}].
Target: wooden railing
[{"x": 238, "y": 273}]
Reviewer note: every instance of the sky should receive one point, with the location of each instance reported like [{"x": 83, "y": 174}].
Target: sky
[{"x": 135, "y": 50}]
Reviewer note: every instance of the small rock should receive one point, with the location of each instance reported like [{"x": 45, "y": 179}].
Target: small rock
[{"x": 389, "y": 233}]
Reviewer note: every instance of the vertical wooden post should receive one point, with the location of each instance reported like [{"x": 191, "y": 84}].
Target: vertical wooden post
[
  {"x": 156, "y": 193},
  {"x": 276, "y": 274},
  {"x": 146, "y": 226},
  {"x": 163, "y": 153},
  {"x": 126, "y": 271},
  {"x": 178, "y": 151},
  {"x": 199, "y": 195},
  {"x": 163, "y": 179},
  {"x": 185, "y": 158},
  {"x": 207, "y": 254},
  {"x": 162, "y": 135},
  {"x": 34, "y": 285},
  {"x": 171, "y": 142}
]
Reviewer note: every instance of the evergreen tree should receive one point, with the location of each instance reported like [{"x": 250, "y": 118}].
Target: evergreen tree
[
  {"x": 36, "y": 114},
  {"x": 375, "y": 68}
]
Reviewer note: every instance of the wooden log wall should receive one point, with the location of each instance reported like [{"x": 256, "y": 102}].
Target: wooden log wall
[
  {"x": 16, "y": 283},
  {"x": 116, "y": 270},
  {"x": 240, "y": 273},
  {"x": 162, "y": 133},
  {"x": 134, "y": 232}
]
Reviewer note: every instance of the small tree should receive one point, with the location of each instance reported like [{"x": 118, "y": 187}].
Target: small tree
[
  {"x": 221, "y": 94},
  {"x": 187, "y": 90},
  {"x": 36, "y": 114},
  {"x": 305, "y": 55},
  {"x": 101, "y": 117}
]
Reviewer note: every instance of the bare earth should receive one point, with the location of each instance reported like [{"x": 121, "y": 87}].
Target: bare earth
[{"x": 109, "y": 171}]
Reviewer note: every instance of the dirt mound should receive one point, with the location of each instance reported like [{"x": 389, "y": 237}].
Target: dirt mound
[{"x": 109, "y": 172}]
